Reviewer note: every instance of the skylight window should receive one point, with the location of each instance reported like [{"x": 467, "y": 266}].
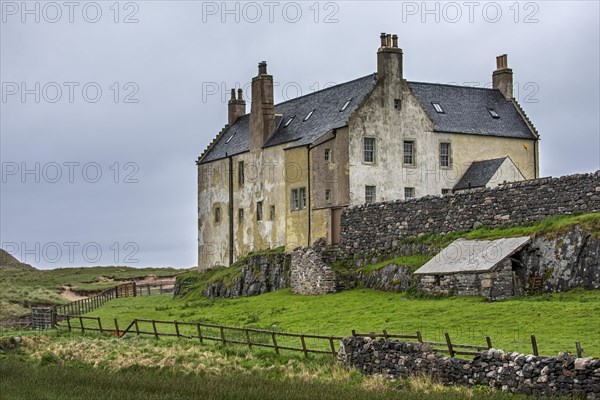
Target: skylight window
[
  {"x": 438, "y": 108},
  {"x": 308, "y": 115},
  {"x": 493, "y": 113},
  {"x": 345, "y": 105},
  {"x": 230, "y": 137},
  {"x": 289, "y": 121}
]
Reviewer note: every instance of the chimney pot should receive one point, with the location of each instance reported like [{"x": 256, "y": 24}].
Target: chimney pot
[
  {"x": 232, "y": 94},
  {"x": 502, "y": 77},
  {"x": 262, "y": 68},
  {"x": 389, "y": 40},
  {"x": 240, "y": 94},
  {"x": 383, "y": 39},
  {"x": 395, "y": 41}
]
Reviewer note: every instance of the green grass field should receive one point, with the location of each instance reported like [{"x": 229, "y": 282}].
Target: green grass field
[
  {"x": 90, "y": 367},
  {"x": 557, "y": 320},
  {"x": 20, "y": 288}
]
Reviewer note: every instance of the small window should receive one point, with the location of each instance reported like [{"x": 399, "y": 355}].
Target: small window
[
  {"x": 272, "y": 213},
  {"x": 327, "y": 154},
  {"x": 438, "y": 108},
  {"x": 241, "y": 173},
  {"x": 369, "y": 150},
  {"x": 298, "y": 199},
  {"x": 369, "y": 194},
  {"x": 309, "y": 115},
  {"x": 240, "y": 216},
  {"x": 230, "y": 137},
  {"x": 445, "y": 159},
  {"x": 493, "y": 113},
  {"x": 328, "y": 196},
  {"x": 259, "y": 211},
  {"x": 409, "y": 152},
  {"x": 445, "y": 191},
  {"x": 217, "y": 215},
  {"x": 345, "y": 105},
  {"x": 397, "y": 104},
  {"x": 409, "y": 192},
  {"x": 289, "y": 121}
]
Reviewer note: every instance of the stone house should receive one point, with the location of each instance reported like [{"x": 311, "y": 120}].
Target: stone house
[
  {"x": 489, "y": 268},
  {"x": 282, "y": 174}
]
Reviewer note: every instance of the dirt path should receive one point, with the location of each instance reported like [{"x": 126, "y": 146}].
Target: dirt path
[{"x": 68, "y": 294}]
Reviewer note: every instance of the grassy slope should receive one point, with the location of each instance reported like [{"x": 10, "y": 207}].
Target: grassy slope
[
  {"x": 20, "y": 288},
  {"x": 557, "y": 320},
  {"x": 143, "y": 368}
]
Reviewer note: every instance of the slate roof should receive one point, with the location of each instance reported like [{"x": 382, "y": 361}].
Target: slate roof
[
  {"x": 472, "y": 255},
  {"x": 326, "y": 104},
  {"x": 466, "y": 110},
  {"x": 479, "y": 173}
]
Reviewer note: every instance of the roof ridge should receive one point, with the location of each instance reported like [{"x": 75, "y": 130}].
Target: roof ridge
[
  {"x": 449, "y": 85},
  {"x": 327, "y": 88}
]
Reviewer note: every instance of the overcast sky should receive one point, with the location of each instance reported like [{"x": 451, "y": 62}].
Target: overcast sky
[{"x": 105, "y": 108}]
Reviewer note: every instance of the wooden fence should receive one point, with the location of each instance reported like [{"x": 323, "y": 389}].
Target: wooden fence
[
  {"x": 155, "y": 288},
  {"x": 209, "y": 332},
  {"x": 91, "y": 303},
  {"x": 251, "y": 337}
]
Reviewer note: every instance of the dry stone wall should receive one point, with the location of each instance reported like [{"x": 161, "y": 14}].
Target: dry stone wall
[
  {"x": 380, "y": 226},
  {"x": 563, "y": 375},
  {"x": 309, "y": 274}
]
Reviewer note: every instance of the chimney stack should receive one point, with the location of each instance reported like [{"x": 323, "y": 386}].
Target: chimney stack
[
  {"x": 389, "y": 68},
  {"x": 502, "y": 78},
  {"x": 262, "y": 110},
  {"x": 236, "y": 107}
]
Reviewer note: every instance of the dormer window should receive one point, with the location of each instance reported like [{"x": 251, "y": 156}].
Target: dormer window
[
  {"x": 309, "y": 115},
  {"x": 493, "y": 113},
  {"x": 438, "y": 108},
  {"x": 230, "y": 137},
  {"x": 345, "y": 105},
  {"x": 289, "y": 121}
]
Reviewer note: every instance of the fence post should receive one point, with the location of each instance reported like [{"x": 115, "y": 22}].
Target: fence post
[
  {"x": 82, "y": 327},
  {"x": 534, "y": 345},
  {"x": 100, "y": 325},
  {"x": 222, "y": 335},
  {"x": 69, "y": 323},
  {"x": 385, "y": 334},
  {"x": 248, "y": 339},
  {"x": 332, "y": 347},
  {"x": 154, "y": 327},
  {"x": 488, "y": 340},
  {"x": 579, "y": 350},
  {"x": 117, "y": 328},
  {"x": 134, "y": 289},
  {"x": 419, "y": 337},
  {"x": 275, "y": 342},
  {"x": 303, "y": 346},
  {"x": 353, "y": 332},
  {"x": 137, "y": 327},
  {"x": 199, "y": 333},
  {"x": 449, "y": 343}
]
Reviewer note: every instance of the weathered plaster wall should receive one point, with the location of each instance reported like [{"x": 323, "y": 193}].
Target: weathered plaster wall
[
  {"x": 296, "y": 167},
  {"x": 213, "y": 243},
  {"x": 469, "y": 148},
  {"x": 563, "y": 375},
  {"x": 264, "y": 181}
]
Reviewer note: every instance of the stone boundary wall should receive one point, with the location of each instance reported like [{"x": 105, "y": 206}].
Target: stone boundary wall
[
  {"x": 564, "y": 375},
  {"x": 379, "y": 227},
  {"x": 309, "y": 274}
]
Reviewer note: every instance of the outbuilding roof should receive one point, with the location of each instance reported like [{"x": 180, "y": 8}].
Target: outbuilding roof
[
  {"x": 468, "y": 256},
  {"x": 479, "y": 173}
]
